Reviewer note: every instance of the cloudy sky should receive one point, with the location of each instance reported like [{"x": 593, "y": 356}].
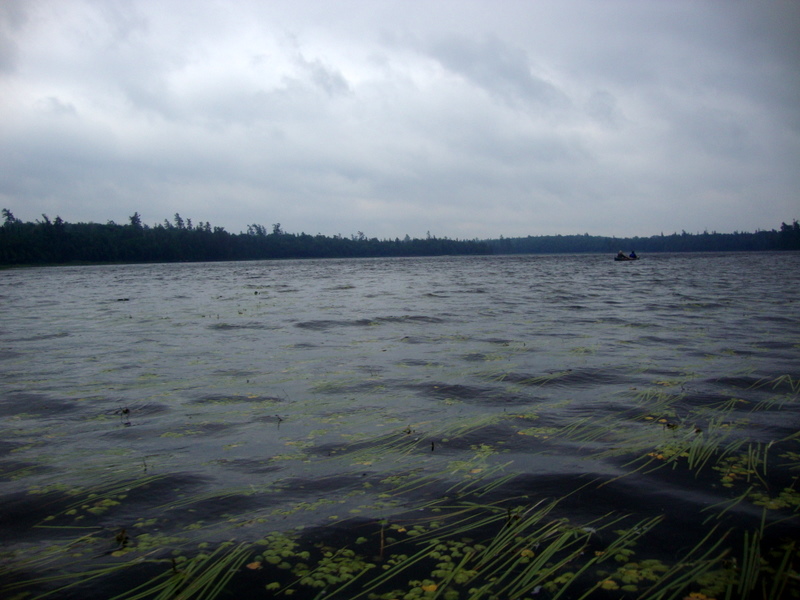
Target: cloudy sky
[{"x": 464, "y": 118}]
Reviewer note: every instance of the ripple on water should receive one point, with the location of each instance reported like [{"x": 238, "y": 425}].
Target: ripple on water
[
  {"x": 250, "y": 325},
  {"x": 547, "y": 376},
  {"x": 580, "y": 377},
  {"x": 237, "y": 399},
  {"x": 328, "y": 324},
  {"x": 38, "y": 405}
]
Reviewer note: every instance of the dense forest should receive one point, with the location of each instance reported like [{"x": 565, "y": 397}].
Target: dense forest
[
  {"x": 787, "y": 238},
  {"x": 56, "y": 241}
]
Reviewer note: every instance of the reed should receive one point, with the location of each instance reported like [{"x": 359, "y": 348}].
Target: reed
[{"x": 442, "y": 527}]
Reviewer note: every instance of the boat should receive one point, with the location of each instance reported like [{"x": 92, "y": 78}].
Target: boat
[{"x": 623, "y": 258}]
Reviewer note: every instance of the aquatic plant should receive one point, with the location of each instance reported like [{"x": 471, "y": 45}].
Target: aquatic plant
[{"x": 380, "y": 457}]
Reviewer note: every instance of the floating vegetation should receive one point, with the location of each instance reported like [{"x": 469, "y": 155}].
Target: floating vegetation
[
  {"x": 308, "y": 448},
  {"x": 454, "y": 545}
]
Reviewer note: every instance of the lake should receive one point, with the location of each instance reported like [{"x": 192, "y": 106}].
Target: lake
[{"x": 460, "y": 427}]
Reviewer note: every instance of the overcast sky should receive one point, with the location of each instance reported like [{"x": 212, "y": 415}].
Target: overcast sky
[{"x": 463, "y": 118}]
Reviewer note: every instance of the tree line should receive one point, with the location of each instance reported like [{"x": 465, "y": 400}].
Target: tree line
[
  {"x": 786, "y": 238},
  {"x": 47, "y": 241},
  {"x": 56, "y": 241}
]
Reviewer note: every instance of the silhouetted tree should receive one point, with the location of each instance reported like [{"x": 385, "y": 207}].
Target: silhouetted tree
[
  {"x": 9, "y": 217},
  {"x": 57, "y": 241}
]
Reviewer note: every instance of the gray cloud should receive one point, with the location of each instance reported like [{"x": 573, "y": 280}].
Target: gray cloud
[
  {"x": 500, "y": 69},
  {"x": 329, "y": 80},
  {"x": 468, "y": 118},
  {"x": 12, "y": 19}
]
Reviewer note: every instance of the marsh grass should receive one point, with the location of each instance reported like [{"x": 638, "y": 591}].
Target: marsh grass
[
  {"x": 202, "y": 577},
  {"x": 433, "y": 523}
]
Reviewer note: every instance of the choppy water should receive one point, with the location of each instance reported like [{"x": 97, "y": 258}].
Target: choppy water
[{"x": 196, "y": 403}]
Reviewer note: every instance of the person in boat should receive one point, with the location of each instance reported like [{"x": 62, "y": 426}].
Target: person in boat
[
  {"x": 633, "y": 254},
  {"x": 621, "y": 254}
]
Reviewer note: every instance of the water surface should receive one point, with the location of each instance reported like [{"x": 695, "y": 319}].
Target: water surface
[{"x": 327, "y": 400}]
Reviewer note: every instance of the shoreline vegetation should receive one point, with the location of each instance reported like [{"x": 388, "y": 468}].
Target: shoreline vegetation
[{"x": 51, "y": 242}]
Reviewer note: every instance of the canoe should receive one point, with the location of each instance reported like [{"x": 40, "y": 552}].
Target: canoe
[{"x": 623, "y": 258}]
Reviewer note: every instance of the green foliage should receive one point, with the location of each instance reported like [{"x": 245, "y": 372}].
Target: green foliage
[
  {"x": 788, "y": 238},
  {"x": 59, "y": 242}
]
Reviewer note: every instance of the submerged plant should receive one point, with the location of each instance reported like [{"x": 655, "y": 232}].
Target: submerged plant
[{"x": 440, "y": 509}]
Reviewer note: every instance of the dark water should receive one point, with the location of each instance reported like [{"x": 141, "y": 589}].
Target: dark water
[{"x": 198, "y": 404}]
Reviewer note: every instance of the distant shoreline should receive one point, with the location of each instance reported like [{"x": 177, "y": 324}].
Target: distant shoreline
[{"x": 58, "y": 243}]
